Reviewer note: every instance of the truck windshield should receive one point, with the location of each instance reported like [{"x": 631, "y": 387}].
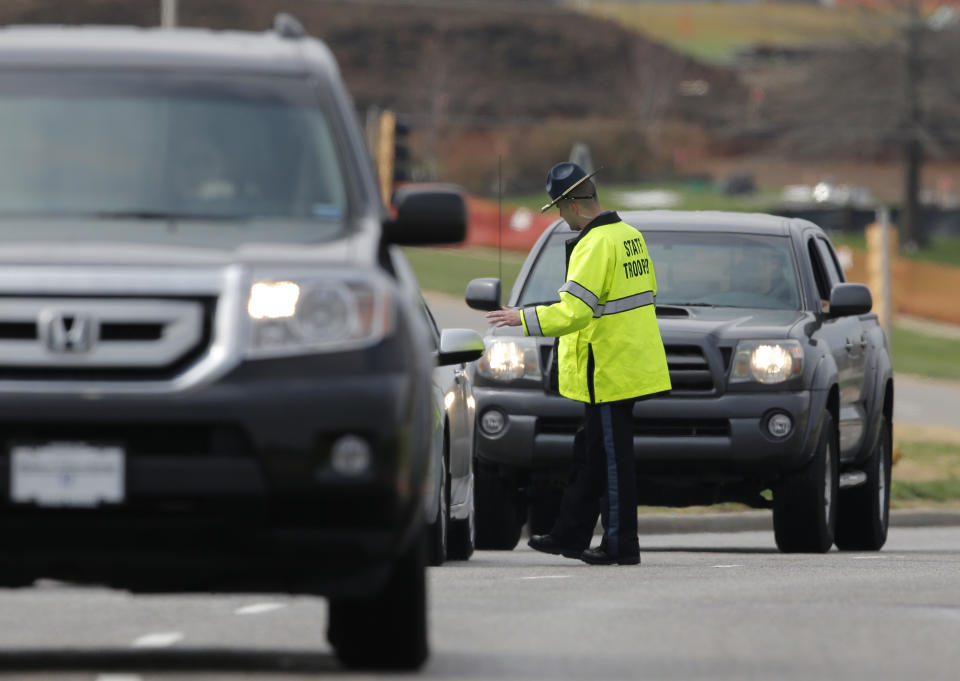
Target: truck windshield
[
  {"x": 144, "y": 146},
  {"x": 714, "y": 269}
]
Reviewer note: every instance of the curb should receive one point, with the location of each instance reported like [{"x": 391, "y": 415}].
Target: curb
[{"x": 758, "y": 521}]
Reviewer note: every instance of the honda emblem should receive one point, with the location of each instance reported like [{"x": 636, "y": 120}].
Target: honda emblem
[{"x": 67, "y": 332}]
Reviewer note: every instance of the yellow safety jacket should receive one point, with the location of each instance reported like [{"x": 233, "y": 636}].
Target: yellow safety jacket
[{"x": 610, "y": 347}]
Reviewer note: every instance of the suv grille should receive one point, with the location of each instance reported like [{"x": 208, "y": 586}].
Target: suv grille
[{"x": 112, "y": 338}]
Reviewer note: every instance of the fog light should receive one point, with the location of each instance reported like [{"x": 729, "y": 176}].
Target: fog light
[
  {"x": 350, "y": 455},
  {"x": 493, "y": 421},
  {"x": 779, "y": 425}
]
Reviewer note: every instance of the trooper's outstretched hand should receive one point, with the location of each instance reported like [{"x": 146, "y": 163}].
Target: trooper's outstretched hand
[{"x": 505, "y": 316}]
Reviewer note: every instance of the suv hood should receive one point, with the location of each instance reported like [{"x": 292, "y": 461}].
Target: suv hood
[{"x": 19, "y": 247}]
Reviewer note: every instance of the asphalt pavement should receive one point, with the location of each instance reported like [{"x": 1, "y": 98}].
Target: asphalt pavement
[{"x": 712, "y": 606}]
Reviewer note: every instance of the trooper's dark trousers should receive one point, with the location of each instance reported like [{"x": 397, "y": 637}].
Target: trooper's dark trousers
[{"x": 602, "y": 480}]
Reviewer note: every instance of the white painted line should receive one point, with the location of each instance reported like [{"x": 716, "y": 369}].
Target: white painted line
[
  {"x": 162, "y": 639},
  {"x": 547, "y": 577},
  {"x": 727, "y": 566},
  {"x": 866, "y": 557},
  {"x": 258, "y": 608},
  {"x": 118, "y": 677}
]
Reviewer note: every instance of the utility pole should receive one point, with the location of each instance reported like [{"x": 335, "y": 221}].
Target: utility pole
[
  {"x": 168, "y": 13},
  {"x": 910, "y": 218}
]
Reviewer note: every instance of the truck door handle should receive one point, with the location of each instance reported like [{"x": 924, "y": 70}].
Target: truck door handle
[
  {"x": 849, "y": 346},
  {"x": 864, "y": 342}
]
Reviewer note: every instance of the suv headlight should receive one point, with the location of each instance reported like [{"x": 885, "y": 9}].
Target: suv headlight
[
  {"x": 773, "y": 361},
  {"x": 316, "y": 315},
  {"x": 507, "y": 359}
]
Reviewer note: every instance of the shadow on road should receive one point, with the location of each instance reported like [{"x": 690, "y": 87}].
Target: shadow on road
[{"x": 197, "y": 659}]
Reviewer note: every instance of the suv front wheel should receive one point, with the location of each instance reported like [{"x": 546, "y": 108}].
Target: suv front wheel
[{"x": 388, "y": 631}]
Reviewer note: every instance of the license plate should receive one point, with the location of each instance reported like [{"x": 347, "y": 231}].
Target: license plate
[{"x": 67, "y": 474}]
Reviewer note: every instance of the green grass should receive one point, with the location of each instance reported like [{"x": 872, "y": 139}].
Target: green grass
[
  {"x": 943, "y": 250},
  {"x": 930, "y": 490},
  {"x": 715, "y": 31},
  {"x": 925, "y": 355},
  {"x": 449, "y": 270}
]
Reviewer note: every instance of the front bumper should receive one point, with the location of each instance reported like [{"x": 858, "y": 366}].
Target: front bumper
[
  {"x": 724, "y": 437},
  {"x": 230, "y": 486}
]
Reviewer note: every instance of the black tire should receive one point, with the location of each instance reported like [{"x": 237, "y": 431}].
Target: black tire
[
  {"x": 805, "y": 504},
  {"x": 462, "y": 537},
  {"x": 544, "y": 508},
  {"x": 499, "y": 512},
  {"x": 388, "y": 631},
  {"x": 865, "y": 509},
  {"x": 437, "y": 530}
]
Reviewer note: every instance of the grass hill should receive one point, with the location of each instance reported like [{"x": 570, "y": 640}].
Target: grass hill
[{"x": 716, "y": 31}]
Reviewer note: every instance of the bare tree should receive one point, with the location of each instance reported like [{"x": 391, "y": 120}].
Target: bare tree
[{"x": 874, "y": 99}]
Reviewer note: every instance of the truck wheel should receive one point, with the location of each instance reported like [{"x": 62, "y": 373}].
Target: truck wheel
[
  {"x": 499, "y": 516},
  {"x": 463, "y": 533},
  {"x": 438, "y": 528},
  {"x": 865, "y": 509},
  {"x": 388, "y": 631},
  {"x": 805, "y": 504},
  {"x": 544, "y": 508}
]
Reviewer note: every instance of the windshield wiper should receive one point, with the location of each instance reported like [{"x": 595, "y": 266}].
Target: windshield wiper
[
  {"x": 162, "y": 215},
  {"x": 688, "y": 304}
]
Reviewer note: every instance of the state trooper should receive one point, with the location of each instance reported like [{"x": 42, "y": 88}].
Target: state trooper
[{"x": 610, "y": 354}]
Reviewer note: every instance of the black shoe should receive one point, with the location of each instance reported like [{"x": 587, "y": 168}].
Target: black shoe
[
  {"x": 545, "y": 543},
  {"x": 598, "y": 556}
]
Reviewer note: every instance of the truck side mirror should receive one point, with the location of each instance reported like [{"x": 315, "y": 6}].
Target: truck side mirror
[
  {"x": 850, "y": 299},
  {"x": 459, "y": 345},
  {"x": 484, "y": 293},
  {"x": 426, "y": 215}
]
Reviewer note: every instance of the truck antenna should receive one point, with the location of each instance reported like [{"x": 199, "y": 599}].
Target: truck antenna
[{"x": 500, "y": 220}]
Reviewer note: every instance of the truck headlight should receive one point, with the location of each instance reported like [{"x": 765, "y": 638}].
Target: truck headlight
[
  {"x": 768, "y": 362},
  {"x": 316, "y": 315},
  {"x": 507, "y": 359}
]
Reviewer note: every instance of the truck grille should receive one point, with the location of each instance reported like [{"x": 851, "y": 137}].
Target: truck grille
[
  {"x": 689, "y": 369},
  {"x": 116, "y": 338}
]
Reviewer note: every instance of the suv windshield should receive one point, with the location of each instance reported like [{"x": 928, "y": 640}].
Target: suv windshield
[
  {"x": 145, "y": 146},
  {"x": 695, "y": 268}
]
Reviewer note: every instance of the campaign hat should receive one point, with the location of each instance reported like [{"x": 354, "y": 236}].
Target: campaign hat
[{"x": 562, "y": 179}]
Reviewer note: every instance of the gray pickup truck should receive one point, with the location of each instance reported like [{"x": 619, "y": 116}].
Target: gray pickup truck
[{"x": 782, "y": 386}]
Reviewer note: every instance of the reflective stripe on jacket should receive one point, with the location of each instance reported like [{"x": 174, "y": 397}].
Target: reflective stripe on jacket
[{"x": 610, "y": 347}]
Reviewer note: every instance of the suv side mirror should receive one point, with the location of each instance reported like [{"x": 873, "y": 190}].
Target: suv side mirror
[
  {"x": 484, "y": 293},
  {"x": 850, "y": 299},
  {"x": 459, "y": 345},
  {"x": 427, "y": 214}
]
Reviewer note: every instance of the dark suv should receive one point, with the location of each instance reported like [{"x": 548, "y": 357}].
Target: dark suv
[{"x": 214, "y": 371}]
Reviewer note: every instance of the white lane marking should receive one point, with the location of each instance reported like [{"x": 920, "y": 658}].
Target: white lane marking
[
  {"x": 258, "y": 608},
  {"x": 118, "y": 677},
  {"x": 727, "y": 566},
  {"x": 161, "y": 639},
  {"x": 547, "y": 577},
  {"x": 866, "y": 557}
]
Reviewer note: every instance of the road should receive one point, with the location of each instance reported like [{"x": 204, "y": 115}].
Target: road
[
  {"x": 919, "y": 401},
  {"x": 701, "y": 606}
]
